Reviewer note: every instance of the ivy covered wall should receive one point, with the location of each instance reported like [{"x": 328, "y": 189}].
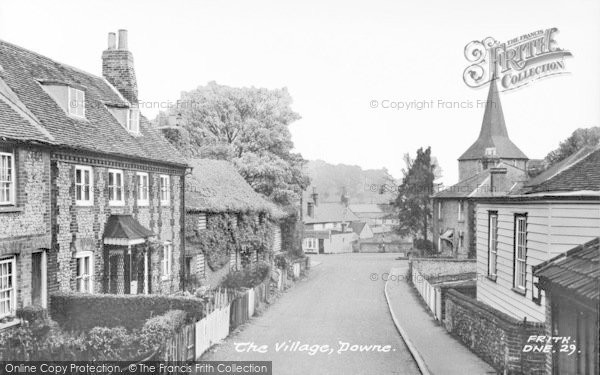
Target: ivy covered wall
[{"x": 228, "y": 233}]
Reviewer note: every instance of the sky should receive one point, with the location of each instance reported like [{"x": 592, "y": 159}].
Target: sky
[{"x": 337, "y": 58}]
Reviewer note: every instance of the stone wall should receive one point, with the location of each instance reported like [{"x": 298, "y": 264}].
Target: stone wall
[
  {"x": 81, "y": 228},
  {"x": 494, "y": 336},
  {"x": 25, "y": 226}
]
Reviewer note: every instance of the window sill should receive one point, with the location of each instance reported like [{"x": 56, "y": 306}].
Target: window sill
[
  {"x": 143, "y": 204},
  {"x": 84, "y": 204},
  {"x": 492, "y": 277},
  {"x": 520, "y": 291},
  {"x": 116, "y": 203},
  {"x": 166, "y": 278},
  {"x": 12, "y": 323},
  {"x": 9, "y": 209}
]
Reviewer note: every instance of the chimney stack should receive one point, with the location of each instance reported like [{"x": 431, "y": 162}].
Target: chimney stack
[
  {"x": 118, "y": 69},
  {"x": 112, "y": 41},
  {"x": 123, "y": 40},
  {"x": 499, "y": 183},
  {"x": 315, "y": 196}
]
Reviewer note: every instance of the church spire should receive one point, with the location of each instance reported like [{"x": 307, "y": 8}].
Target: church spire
[{"x": 493, "y": 140}]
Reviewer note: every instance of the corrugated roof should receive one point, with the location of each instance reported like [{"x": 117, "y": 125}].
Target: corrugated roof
[
  {"x": 216, "y": 186},
  {"x": 577, "y": 270},
  {"x": 493, "y": 132},
  {"x": 25, "y": 72}
]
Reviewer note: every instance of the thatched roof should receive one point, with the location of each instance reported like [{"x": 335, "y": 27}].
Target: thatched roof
[{"x": 216, "y": 186}]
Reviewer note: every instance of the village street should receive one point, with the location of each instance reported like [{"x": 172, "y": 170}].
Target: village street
[{"x": 338, "y": 301}]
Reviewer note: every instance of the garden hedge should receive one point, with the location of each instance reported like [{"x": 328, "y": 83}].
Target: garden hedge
[{"x": 80, "y": 311}]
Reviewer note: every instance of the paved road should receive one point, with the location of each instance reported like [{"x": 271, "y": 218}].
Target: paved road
[{"x": 338, "y": 302}]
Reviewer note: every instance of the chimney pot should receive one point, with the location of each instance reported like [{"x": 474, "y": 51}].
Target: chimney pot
[
  {"x": 112, "y": 41},
  {"x": 123, "y": 40}
]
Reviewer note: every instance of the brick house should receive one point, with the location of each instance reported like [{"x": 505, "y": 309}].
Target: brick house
[
  {"x": 216, "y": 196},
  {"x": 515, "y": 233},
  {"x": 493, "y": 154},
  {"x": 90, "y": 194}
]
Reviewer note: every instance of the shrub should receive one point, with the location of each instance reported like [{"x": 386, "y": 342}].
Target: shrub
[
  {"x": 26, "y": 343},
  {"x": 247, "y": 278},
  {"x": 426, "y": 246},
  {"x": 32, "y": 313},
  {"x": 156, "y": 330},
  {"x": 78, "y": 311}
]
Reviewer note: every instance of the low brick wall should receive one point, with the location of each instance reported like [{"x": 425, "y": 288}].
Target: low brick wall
[
  {"x": 494, "y": 336},
  {"x": 436, "y": 267}
]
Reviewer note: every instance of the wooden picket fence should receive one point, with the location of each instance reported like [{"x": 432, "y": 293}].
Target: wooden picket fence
[{"x": 225, "y": 310}]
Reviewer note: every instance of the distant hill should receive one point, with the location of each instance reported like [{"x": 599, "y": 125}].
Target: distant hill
[{"x": 362, "y": 186}]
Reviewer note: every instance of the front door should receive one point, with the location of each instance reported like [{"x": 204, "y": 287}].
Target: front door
[
  {"x": 321, "y": 246},
  {"x": 37, "y": 283}
]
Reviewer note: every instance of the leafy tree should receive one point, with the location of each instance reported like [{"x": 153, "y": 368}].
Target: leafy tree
[
  {"x": 249, "y": 127},
  {"x": 577, "y": 140},
  {"x": 413, "y": 202}
]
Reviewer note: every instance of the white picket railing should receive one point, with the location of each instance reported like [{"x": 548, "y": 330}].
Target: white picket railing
[
  {"x": 431, "y": 295},
  {"x": 212, "y": 329}
]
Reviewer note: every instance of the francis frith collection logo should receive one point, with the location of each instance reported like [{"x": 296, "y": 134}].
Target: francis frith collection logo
[{"x": 517, "y": 62}]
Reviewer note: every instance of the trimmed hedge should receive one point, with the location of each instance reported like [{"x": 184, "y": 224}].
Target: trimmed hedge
[
  {"x": 45, "y": 341},
  {"x": 80, "y": 311}
]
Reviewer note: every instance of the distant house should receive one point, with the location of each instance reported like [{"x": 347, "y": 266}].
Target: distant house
[
  {"x": 327, "y": 226},
  {"x": 362, "y": 230},
  {"x": 380, "y": 217},
  {"x": 492, "y": 154},
  {"x": 90, "y": 194},
  {"x": 224, "y": 213},
  {"x": 571, "y": 282}
]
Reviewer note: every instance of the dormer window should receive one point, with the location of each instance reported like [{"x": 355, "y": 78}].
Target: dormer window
[
  {"x": 133, "y": 120},
  {"x": 490, "y": 151},
  {"x": 76, "y": 102}
]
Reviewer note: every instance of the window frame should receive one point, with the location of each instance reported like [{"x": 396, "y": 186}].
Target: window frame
[
  {"x": 440, "y": 210},
  {"x": 73, "y": 111},
  {"x": 520, "y": 245},
  {"x": 80, "y": 256},
  {"x": 492, "y": 245},
  {"x": 83, "y": 169},
  {"x": 130, "y": 120},
  {"x": 116, "y": 202},
  {"x": 166, "y": 189},
  {"x": 139, "y": 177},
  {"x": 12, "y": 290},
  {"x": 12, "y": 187},
  {"x": 461, "y": 213},
  {"x": 166, "y": 262}
]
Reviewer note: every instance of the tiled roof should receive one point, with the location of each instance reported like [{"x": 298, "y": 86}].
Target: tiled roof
[
  {"x": 330, "y": 213},
  {"x": 24, "y": 72},
  {"x": 20, "y": 129},
  {"x": 578, "y": 172},
  {"x": 478, "y": 185},
  {"x": 216, "y": 186},
  {"x": 577, "y": 270},
  {"x": 493, "y": 132}
]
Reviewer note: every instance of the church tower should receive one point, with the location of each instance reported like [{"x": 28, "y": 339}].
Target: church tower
[{"x": 493, "y": 145}]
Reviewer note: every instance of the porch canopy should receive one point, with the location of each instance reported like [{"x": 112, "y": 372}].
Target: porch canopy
[
  {"x": 447, "y": 235},
  {"x": 124, "y": 230}
]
